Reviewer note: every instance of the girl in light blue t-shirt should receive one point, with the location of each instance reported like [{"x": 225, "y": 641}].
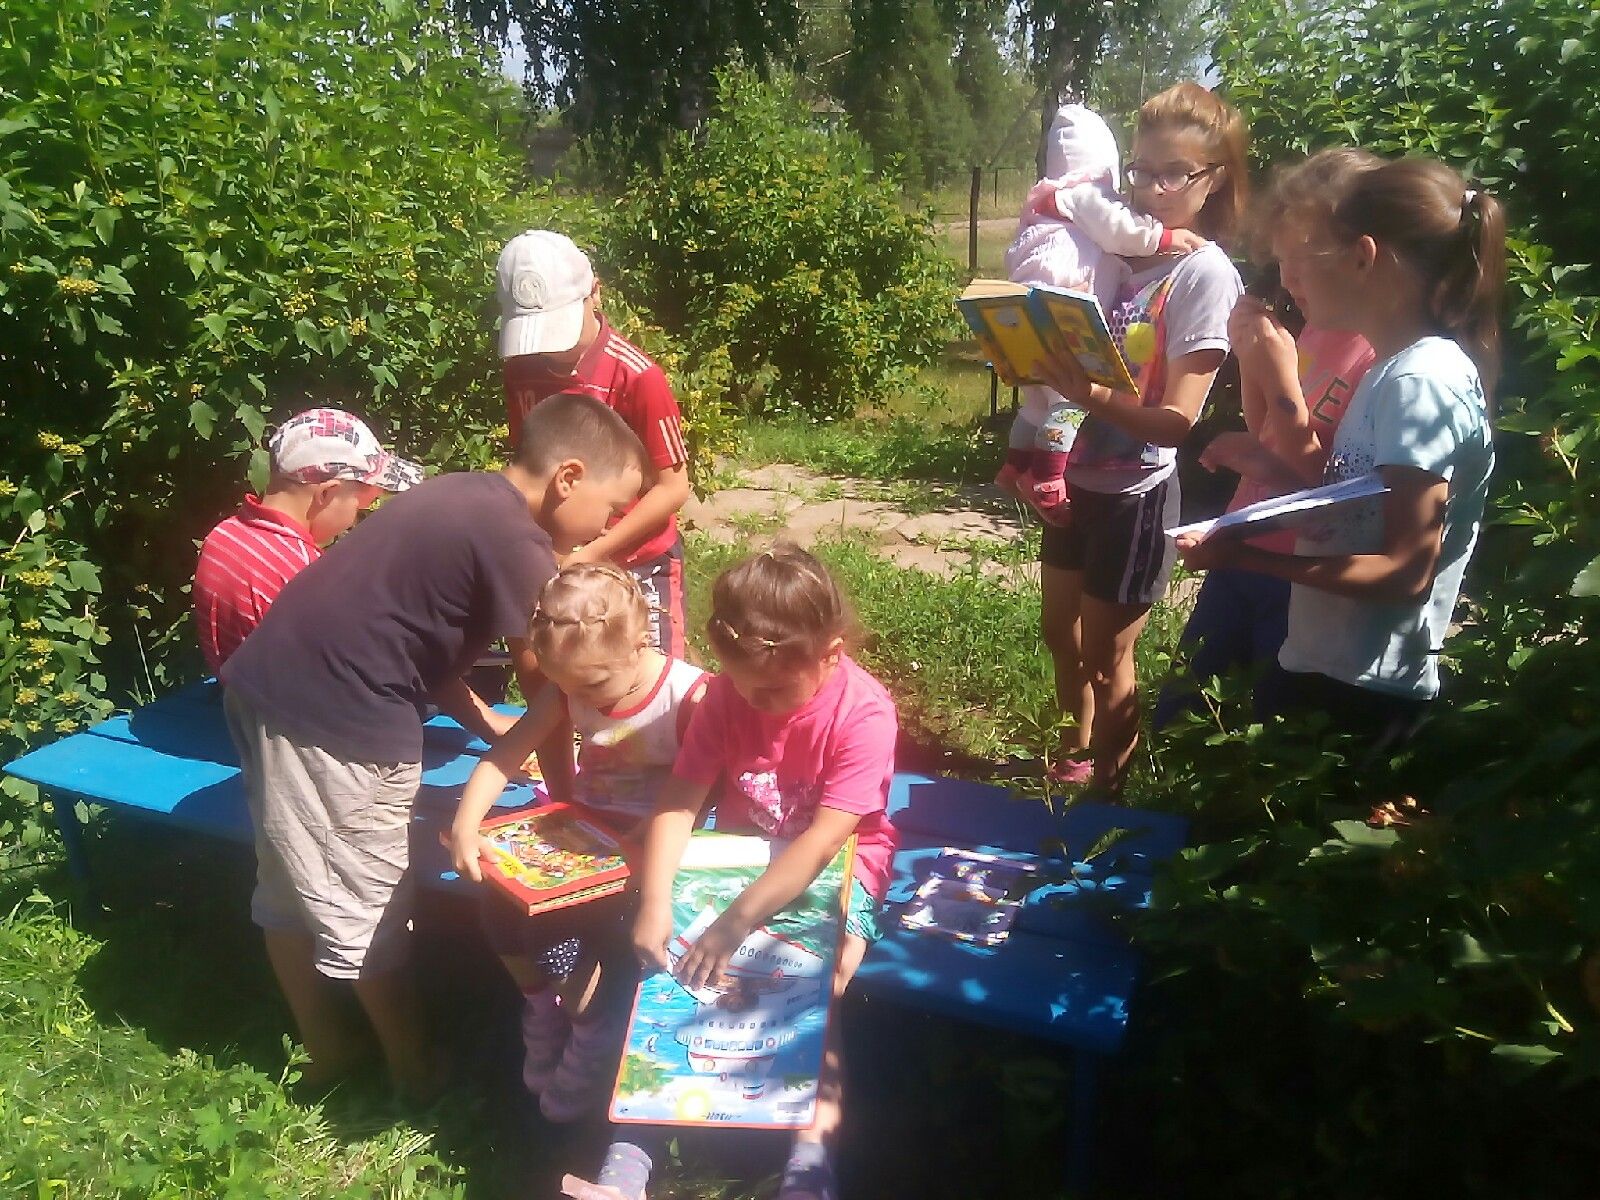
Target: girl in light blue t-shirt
[{"x": 1413, "y": 260}]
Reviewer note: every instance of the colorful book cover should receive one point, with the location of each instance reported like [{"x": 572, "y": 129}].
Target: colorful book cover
[
  {"x": 1015, "y": 324},
  {"x": 551, "y": 857},
  {"x": 970, "y": 897},
  {"x": 747, "y": 1052}
]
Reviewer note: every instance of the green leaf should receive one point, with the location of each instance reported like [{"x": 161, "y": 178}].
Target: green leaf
[
  {"x": 1531, "y": 1056},
  {"x": 216, "y": 324},
  {"x": 105, "y": 220},
  {"x": 85, "y": 576},
  {"x": 1588, "y": 581},
  {"x": 1359, "y": 833},
  {"x": 203, "y": 417}
]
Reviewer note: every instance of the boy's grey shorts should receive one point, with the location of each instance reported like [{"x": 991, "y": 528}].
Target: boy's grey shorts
[{"x": 332, "y": 845}]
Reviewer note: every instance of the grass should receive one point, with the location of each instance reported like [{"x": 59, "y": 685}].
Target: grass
[{"x": 994, "y": 235}]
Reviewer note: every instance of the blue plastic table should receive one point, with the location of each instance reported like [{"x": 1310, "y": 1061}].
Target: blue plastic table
[{"x": 1065, "y": 974}]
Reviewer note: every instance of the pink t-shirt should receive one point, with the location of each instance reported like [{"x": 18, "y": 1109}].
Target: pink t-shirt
[
  {"x": 836, "y": 750},
  {"x": 1331, "y": 364}
]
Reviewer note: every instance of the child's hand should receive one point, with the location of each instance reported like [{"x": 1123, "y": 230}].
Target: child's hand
[
  {"x": 1042, "y": 199},
  {"x": 707, "y": 959},
  {"x": 1198, "y": 554},
  {"x": 652, "y": 929},
  {"x": 1185, "y": 241},
  {"x": 1240, "y": 453},
  {"x": 465, "y": 845},
  {"x": 1260, "y": 339}
]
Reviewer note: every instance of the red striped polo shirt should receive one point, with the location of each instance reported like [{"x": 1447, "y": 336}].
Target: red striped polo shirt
[
  {"x": 617, "y": 372},
  {"x": 244, "y": 563}
]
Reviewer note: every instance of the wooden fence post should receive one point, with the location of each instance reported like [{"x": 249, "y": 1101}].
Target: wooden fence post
[{"x": 972, "y": 220}]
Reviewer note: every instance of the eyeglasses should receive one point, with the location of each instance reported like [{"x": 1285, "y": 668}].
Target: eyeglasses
[{"x": 1168, "y": 180}]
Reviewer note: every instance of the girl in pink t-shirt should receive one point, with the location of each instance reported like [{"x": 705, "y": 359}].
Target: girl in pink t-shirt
[{"x": 804, "y": 740}]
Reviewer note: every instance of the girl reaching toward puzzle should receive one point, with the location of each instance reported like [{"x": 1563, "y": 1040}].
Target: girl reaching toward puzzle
[
  {"x": 630, "y": 705},
  {"x": 804, "y": 739}
]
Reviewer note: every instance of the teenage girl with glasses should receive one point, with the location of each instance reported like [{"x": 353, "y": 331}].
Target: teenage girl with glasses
[{"x": 1103, "y": 571}]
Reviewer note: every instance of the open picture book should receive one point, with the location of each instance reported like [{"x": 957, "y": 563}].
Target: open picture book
[
  {"x": 1017, "y": 325},
  {"x": 551, "y": 857},
  {"x": 746, "y": 1051},
  {"x": 1293, "y": 511}
]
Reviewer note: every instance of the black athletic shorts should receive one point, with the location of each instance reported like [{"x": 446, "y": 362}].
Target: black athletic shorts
[{"x": 1119, "y": 542}]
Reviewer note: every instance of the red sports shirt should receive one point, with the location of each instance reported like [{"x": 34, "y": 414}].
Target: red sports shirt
[
  {"x": 244, "y": 563},
  {"x": 617, "y": 372}
]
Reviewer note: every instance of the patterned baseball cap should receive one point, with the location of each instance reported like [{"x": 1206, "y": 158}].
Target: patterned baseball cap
[{"x": 328, "y": 443}]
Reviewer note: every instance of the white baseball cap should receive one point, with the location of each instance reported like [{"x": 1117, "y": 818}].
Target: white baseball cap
[
  {"x": 328, "y": 443},
  {"x": 544, "y": 279}
]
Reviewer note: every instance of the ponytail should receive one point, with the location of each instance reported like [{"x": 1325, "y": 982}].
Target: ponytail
[{"x": 1453, "y": 235}]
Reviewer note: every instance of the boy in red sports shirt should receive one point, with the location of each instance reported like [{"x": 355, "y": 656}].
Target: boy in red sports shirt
[
  {"x": 553, "y": 338},
  {"x": 326, "y": 467}
]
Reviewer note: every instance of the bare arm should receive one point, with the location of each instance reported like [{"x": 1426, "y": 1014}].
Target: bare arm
[
  {"x": 1401, "y": 573},
  {"x": 666, "y": 834},
  {"x": 457, "y": 700},
  {"x": 493, "y": 772},
  {"x": 555, "y": 751},
  {"x": 785, "y": 878},
  {"x": 1189, "y": 379},
  {"x": 665, "y": 496}
]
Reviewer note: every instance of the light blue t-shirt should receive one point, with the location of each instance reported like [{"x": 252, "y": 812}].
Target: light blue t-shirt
[{"x": 1422, "y": 408}]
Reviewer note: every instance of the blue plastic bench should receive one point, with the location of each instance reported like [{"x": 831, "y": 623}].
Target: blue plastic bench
[
  {"x": 173, "y": 762},
  {"x": 1065, "y": 974}
]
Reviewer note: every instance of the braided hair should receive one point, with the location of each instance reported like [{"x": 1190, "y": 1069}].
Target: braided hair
[{"x": 589, "y": 608}]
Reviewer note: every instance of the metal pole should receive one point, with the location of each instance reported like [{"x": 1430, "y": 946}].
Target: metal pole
[{"x": 972, "y": 220}]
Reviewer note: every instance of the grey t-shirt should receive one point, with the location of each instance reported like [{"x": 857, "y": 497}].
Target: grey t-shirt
[
  {"x": 1422, "y": 408},
  {"x": 346, "y": 656},
  {"x": 1204, "y": 287}
]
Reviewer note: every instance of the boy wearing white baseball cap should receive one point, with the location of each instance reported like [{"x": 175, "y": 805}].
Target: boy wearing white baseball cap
[
  {"x": 326, "y": 467},
  {"x": 554, "y": 339}
]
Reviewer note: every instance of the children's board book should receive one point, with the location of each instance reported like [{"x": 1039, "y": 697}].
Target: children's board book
[
  {"x": 551, "y": 857},
  {"x": 1017, "y": 325},
  {"x": 970, "y": 897},
  {"x": 747, "y": 1052},
  {"x": 1297, "y": 510}
]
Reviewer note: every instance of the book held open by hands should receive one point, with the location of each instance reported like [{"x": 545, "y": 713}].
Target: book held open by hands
[
  {"x": 1018, "y": 326},
  {"x": 1292, "y": 511}
]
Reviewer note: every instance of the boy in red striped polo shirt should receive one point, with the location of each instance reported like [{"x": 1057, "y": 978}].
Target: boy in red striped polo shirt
[
  {"x": 554, "y": 339},
  {"x": 326, "y": 467}
]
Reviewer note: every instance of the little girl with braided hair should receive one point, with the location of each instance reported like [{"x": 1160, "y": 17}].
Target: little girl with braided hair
[
  {"x": 630, "y": 705},
  {"x": 803, "y": 741}
]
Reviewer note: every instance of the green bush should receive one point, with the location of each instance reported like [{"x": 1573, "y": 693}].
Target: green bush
[
  {"x": 772, "y": 238},
  {"x": 1466, "y": 938}
]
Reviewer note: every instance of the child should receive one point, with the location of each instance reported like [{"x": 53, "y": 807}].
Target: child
[
  {"x": 1412, "y": 259},
  {"x": 325, "y": 701},
  {"x": 326, "y": 468},
  {"x": 1294, "y": 392},
  {"x": 1101, "y": 573},
  {"x": 630, "y": 705},
  {"x": 553, "y": 339},
  {"x": 804, "y": 739},
  {"x": 1071, "y": 228}
]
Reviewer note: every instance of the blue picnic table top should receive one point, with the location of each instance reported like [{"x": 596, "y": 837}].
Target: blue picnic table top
[{"x": 1064, "y": 974}]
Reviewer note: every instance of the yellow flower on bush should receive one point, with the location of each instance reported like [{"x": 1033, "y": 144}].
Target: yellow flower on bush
[
  {"x": 77, "y": 287},
  {"x": 46, "y": 680},
  {"x": 458, "y": 224},
  {"x": 66, "y": 725},
  {"x": 7, "y": 488},
  {"x": 31, "y": 624},
  {"x": 358, "y": 326},
  {"x": 71, "y": 450},
  {"x": 70, "y": 697},
  {"x": 39, "y": 646},
  {"x": 36, "y": 579},
  {"x": 82, "y": 264},
  {"x": 49, "y": 441},
  {"x": 116, "y": 200},
  {"x": 33, "y": 727},
  {"x": 18, "y": 268},
  {"x": 27, "y": 696}
]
